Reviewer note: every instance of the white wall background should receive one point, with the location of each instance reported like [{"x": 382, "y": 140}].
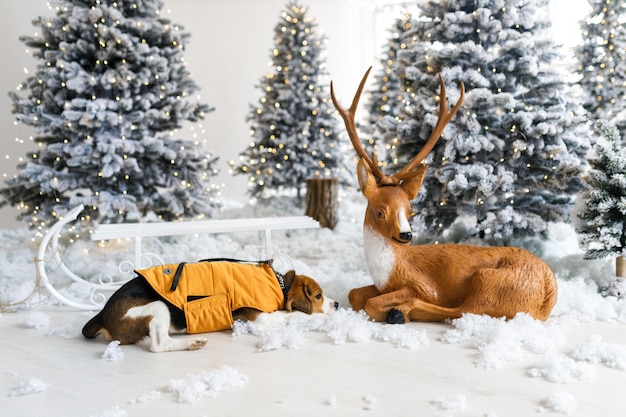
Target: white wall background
[{"x": 227, "y": 54}]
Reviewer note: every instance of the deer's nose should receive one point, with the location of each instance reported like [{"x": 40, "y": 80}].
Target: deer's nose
[{"x": 406, "y": 236}]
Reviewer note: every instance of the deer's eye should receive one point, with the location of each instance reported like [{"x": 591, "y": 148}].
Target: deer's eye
[{"x": 380, "y": 214}]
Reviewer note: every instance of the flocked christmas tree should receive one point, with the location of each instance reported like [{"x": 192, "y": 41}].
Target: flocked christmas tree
[
  {"x": 295, "y": 134},
  {"x": 512, "y": 157},
  {"x": 602, "y": 225},
  {"x": 602, "y": 61},
  {"x": 387, "y": 96},
  {"x": 107, "y": 99}
]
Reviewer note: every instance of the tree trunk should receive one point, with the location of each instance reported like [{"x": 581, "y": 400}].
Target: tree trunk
[
  {"x": 620, "y": 267},
  {"x": 322, "y": 200}
]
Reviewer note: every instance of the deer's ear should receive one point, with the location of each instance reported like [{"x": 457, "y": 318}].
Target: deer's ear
[
  {"x": 412, "y": 185},
  {"x": 367, "y": 180}
]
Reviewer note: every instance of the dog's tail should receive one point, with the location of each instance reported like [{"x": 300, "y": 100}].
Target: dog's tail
[{"x": 93, "y": 327}]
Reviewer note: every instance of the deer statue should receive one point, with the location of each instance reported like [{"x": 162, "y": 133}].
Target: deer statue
[{"x": 439, "y": 281}]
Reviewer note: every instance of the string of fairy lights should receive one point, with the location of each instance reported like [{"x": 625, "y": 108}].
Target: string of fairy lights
[
  {"x": 197, "y": 131},
  {"x": 605, "y": 74}
]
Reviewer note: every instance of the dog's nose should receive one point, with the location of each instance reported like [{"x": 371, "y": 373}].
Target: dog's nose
[
  {"x": 335, "y": 305},
  {"x": 406, "y": 236}
]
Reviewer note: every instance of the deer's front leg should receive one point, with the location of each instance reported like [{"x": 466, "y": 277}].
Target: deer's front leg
[
  {"x": 358, "y": 297},
  {"x": 383, "y": 306}
]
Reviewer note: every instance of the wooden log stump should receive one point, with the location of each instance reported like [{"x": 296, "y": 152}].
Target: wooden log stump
[{"x": 322, "y": 200}]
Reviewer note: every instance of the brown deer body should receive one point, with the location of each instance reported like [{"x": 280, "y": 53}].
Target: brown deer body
[{"x": 442, "y": 281}]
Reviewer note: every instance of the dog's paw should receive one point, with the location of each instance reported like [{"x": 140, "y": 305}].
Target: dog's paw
[
  {"x": 198, "y": 344},
  {"x": 395, "y": 317}
]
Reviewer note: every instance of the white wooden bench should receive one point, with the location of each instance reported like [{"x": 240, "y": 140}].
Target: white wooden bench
[
  {"x": 137, "y": 231},
  {"x": 50, "y": 252}
]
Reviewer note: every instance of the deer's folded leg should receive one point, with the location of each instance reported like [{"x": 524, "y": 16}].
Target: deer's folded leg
[
  {"x": 358, "y": 297},
  {"x": 420, "y": 310},
  {"x": 378, "y": 307}
]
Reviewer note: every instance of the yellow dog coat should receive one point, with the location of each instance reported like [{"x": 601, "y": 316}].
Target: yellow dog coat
[{"x": 208, "y": 292}]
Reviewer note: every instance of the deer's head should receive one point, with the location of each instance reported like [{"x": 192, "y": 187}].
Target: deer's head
[{"x": 389, "y": 197}]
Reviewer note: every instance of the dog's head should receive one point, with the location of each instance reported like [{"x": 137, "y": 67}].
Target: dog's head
[{"x": 304, "y": 294}]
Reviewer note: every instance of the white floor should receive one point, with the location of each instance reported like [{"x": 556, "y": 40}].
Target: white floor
[{"x": 319, "y": 378}]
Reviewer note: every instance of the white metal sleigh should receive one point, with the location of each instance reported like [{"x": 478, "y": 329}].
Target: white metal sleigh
[{"x": 49, "y": 255}]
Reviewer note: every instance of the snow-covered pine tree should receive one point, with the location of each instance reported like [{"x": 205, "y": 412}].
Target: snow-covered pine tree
[
  {"x": 106, "y": 100},
  {"x": 511, "y": 159},
  {"x": 388, "y": 95},
  {"x": 295, "y": 134},
  {"x": 602, "y": 214},
  {"x": 602, "y": 61}
]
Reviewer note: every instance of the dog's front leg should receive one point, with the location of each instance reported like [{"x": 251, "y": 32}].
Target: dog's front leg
[{"x": 160, "y": 340}]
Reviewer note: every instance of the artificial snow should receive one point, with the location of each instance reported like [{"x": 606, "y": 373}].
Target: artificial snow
[
  {"x": 562, "y": 369},
  {"x": 66, "y": 331},
  {"x": 147, "y": 397},
  {"x": 32, "y": 386},
  {"x": 343, "y": 326},
  {"x": 113, "y": 351},
  {"x": 451, "y": 402},
  {"x": 349, "y": 326},
  {"x": 335, "y": 259},
  {"x": 500, "y": 341},
  {"x": 561, "y": 402},
  {"x": 596, "y": 351},
  {"x": 37, "y": 320},
  {"x": 112, "y": 412},
  {"x": 193, "y": 388}
]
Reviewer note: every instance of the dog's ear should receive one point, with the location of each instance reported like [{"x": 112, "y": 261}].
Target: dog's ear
[
  {"x": 288, "y": 278},
  {"x": 305, "y": 295}
]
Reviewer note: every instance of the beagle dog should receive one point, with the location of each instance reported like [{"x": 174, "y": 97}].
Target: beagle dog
[{"x": 201, "y": 297}]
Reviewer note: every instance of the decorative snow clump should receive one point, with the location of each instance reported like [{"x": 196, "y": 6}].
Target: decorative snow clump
[
  {"x": 561, "y": 402},
  {"x": 113, "y": 351},
  {"x": 206, "y": 384},
  {"x": 32, "y": 386},
  {"x": 37, "y": 320}
]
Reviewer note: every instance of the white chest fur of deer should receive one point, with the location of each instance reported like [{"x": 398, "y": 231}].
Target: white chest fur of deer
[{"x": 434, "y": 282}]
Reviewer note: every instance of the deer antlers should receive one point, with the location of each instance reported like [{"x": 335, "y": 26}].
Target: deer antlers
[{"x": 408, "y": 171}]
